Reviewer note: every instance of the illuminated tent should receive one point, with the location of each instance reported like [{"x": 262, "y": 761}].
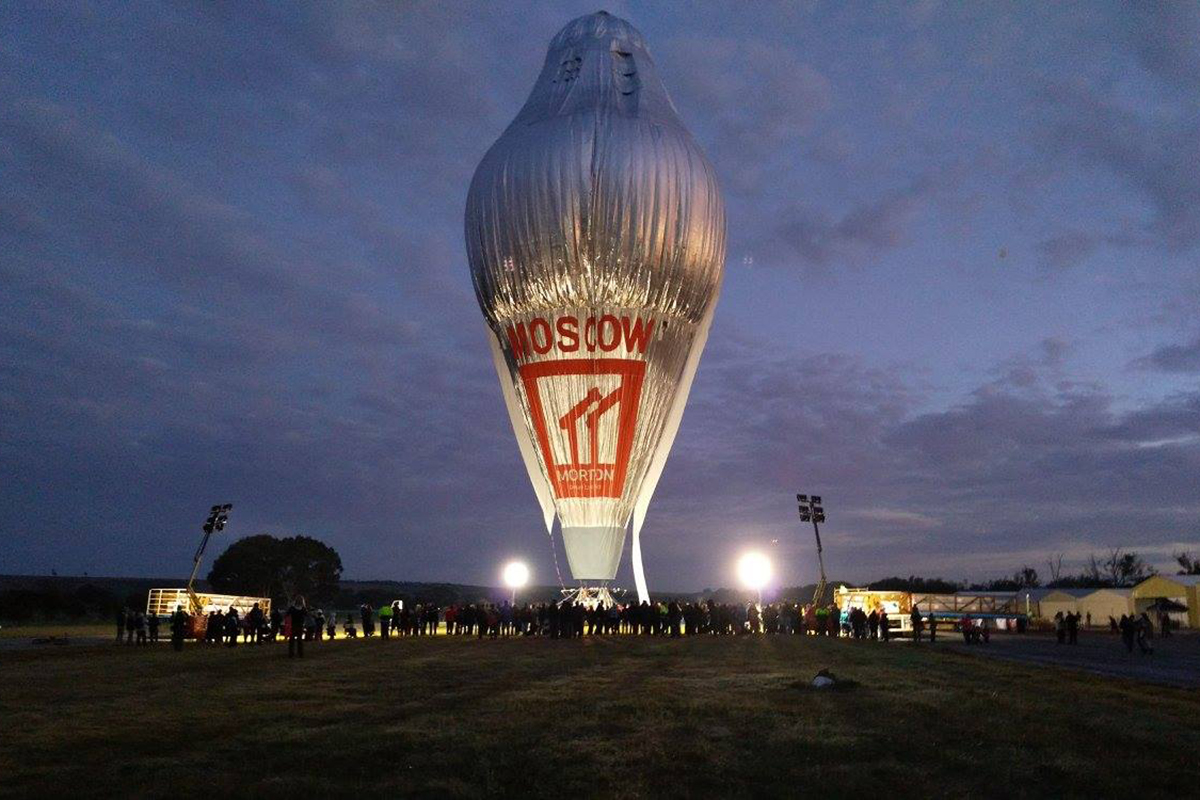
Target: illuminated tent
[
  {"x": 1181, "y": 589},
  {"x": 596, "y": 236}
]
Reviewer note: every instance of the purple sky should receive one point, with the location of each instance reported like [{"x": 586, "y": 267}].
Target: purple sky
[{"x": 960, "y": 302}]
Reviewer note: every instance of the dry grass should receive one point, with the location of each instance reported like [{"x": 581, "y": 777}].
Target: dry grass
[
  {"x": 71, "y": 630},
  {"x": 621, "y": 717}
]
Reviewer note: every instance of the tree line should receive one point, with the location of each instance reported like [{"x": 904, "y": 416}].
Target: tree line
[{"x": 1117, "y": 569}]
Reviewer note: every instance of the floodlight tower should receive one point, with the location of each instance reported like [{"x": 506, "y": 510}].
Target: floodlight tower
[
  {"x": 217, "y": 517},
  {"x": 812, "y": 511}
]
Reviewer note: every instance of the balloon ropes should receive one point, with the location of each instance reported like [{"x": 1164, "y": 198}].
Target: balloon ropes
[{"x": 596, "y": 236}]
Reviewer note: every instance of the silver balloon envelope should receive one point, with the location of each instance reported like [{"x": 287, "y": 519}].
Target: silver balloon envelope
[{"x": 596, "y": 237}]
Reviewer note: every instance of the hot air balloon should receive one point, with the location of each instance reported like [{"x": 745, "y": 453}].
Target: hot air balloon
[{"x": 596, "y": 237}]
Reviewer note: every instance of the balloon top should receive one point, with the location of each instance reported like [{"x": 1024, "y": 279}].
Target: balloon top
[
  {"x": 598, "y": 64},
  {"x": 600, "y": 28}
]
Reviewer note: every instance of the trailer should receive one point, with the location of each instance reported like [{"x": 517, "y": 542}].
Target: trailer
[
  {"x": 198, "y": 605},
  {"x": 1001, "y": 609}
]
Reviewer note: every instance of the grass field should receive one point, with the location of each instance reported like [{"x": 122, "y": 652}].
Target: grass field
[
  {"x": 69, "y": 629},
  {"x": 624, "y": 717}
]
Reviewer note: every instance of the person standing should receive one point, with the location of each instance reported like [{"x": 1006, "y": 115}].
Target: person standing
[
  {"x": 1144, "y": 630},
  {"x": 296, "y": 616},
  {"x": 1126, "y": 627},
  {"x": 179, "y": 622},
  {"x": 932, "y": 628},
  {"x": 1072, "y": 623},
  {"x": 232, "y": 626},
  {"x": 368, "y": 619},
  {"x": 385, "y": 621},
  {"x": 256, "y": 623},
  {"x": 121, "y": 623},
  {"x": 152, "y": 621},
  {"x": 885, "y": 627},
  {"x": 917, "y": 622}
]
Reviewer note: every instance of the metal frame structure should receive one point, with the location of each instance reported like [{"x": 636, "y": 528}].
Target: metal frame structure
[
  {"x": 163, "y": 602},
  {"x": 217, "y": 517},
  {"x": 590, "y": 596},
  {"x": 812, "y": 511}
]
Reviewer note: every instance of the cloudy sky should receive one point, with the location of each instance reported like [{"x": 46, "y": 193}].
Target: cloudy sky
[{"x": 960, "y": 302}]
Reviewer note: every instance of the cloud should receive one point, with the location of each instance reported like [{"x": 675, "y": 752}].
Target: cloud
[
  {"x": 1154, "y": 154},
  {"x": 1178, "y": 358},
  {"x": 1070, "y": 248},
  {"x": 756, "y": 100},
  {"x": 235, "y": 271},
  {"x": 807, "y": 234},
  {"x": 1009, "y": 471},
  {"x": 1164, "y": 35}
]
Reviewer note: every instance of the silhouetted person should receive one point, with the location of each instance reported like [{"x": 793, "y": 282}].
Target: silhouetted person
[
  {"x": 256, "y": 620},
  {"x": 179, "y": 621},
  {"x": 1072, "y": 623},
  {"x": 1126, "y": 626},
  {"x": 152, "y": 623},
  {"x": 297, "y": 614},
  {"x": 933, "y": 627},
  {"x": 232, "y": 626},
  {"x": 1144, "y": 630},
  {"x": 121, "y": 615},
  {"x": 917, "y": 623}
]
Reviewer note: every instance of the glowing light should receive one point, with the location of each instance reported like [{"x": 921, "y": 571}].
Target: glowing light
[
  {"x": 754, "y": 571},
  {"x": 516, "y": 575}
]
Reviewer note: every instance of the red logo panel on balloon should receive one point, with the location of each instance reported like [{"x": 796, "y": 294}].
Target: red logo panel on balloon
[{"x": 584, "y": 414}]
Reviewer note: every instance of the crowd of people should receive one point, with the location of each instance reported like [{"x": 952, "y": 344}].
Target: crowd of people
[
  {"x": 567, "y": 619},
  {"x": 136, "y": 626},
  {"x": 1137, "y": 629},
  {"x": 562, "y": 620}
]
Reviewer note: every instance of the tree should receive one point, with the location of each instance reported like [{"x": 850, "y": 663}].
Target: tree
[
  {"x": 1125, "y": 569},
  {"x": 1026, "y": 578},
  {"x": 1188, "y": 564},
  {"x": 278, "y": 568},
  {"x": 1055, "y": 562},
  {"x": 914, "y": 583}
]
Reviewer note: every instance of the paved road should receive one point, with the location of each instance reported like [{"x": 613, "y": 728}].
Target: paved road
[{"x": 1175, "y": 661}]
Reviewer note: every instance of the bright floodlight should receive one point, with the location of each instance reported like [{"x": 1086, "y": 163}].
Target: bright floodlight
[
  {"x": 754, "y": 570},
  {"x": 516, "y": 575}
]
